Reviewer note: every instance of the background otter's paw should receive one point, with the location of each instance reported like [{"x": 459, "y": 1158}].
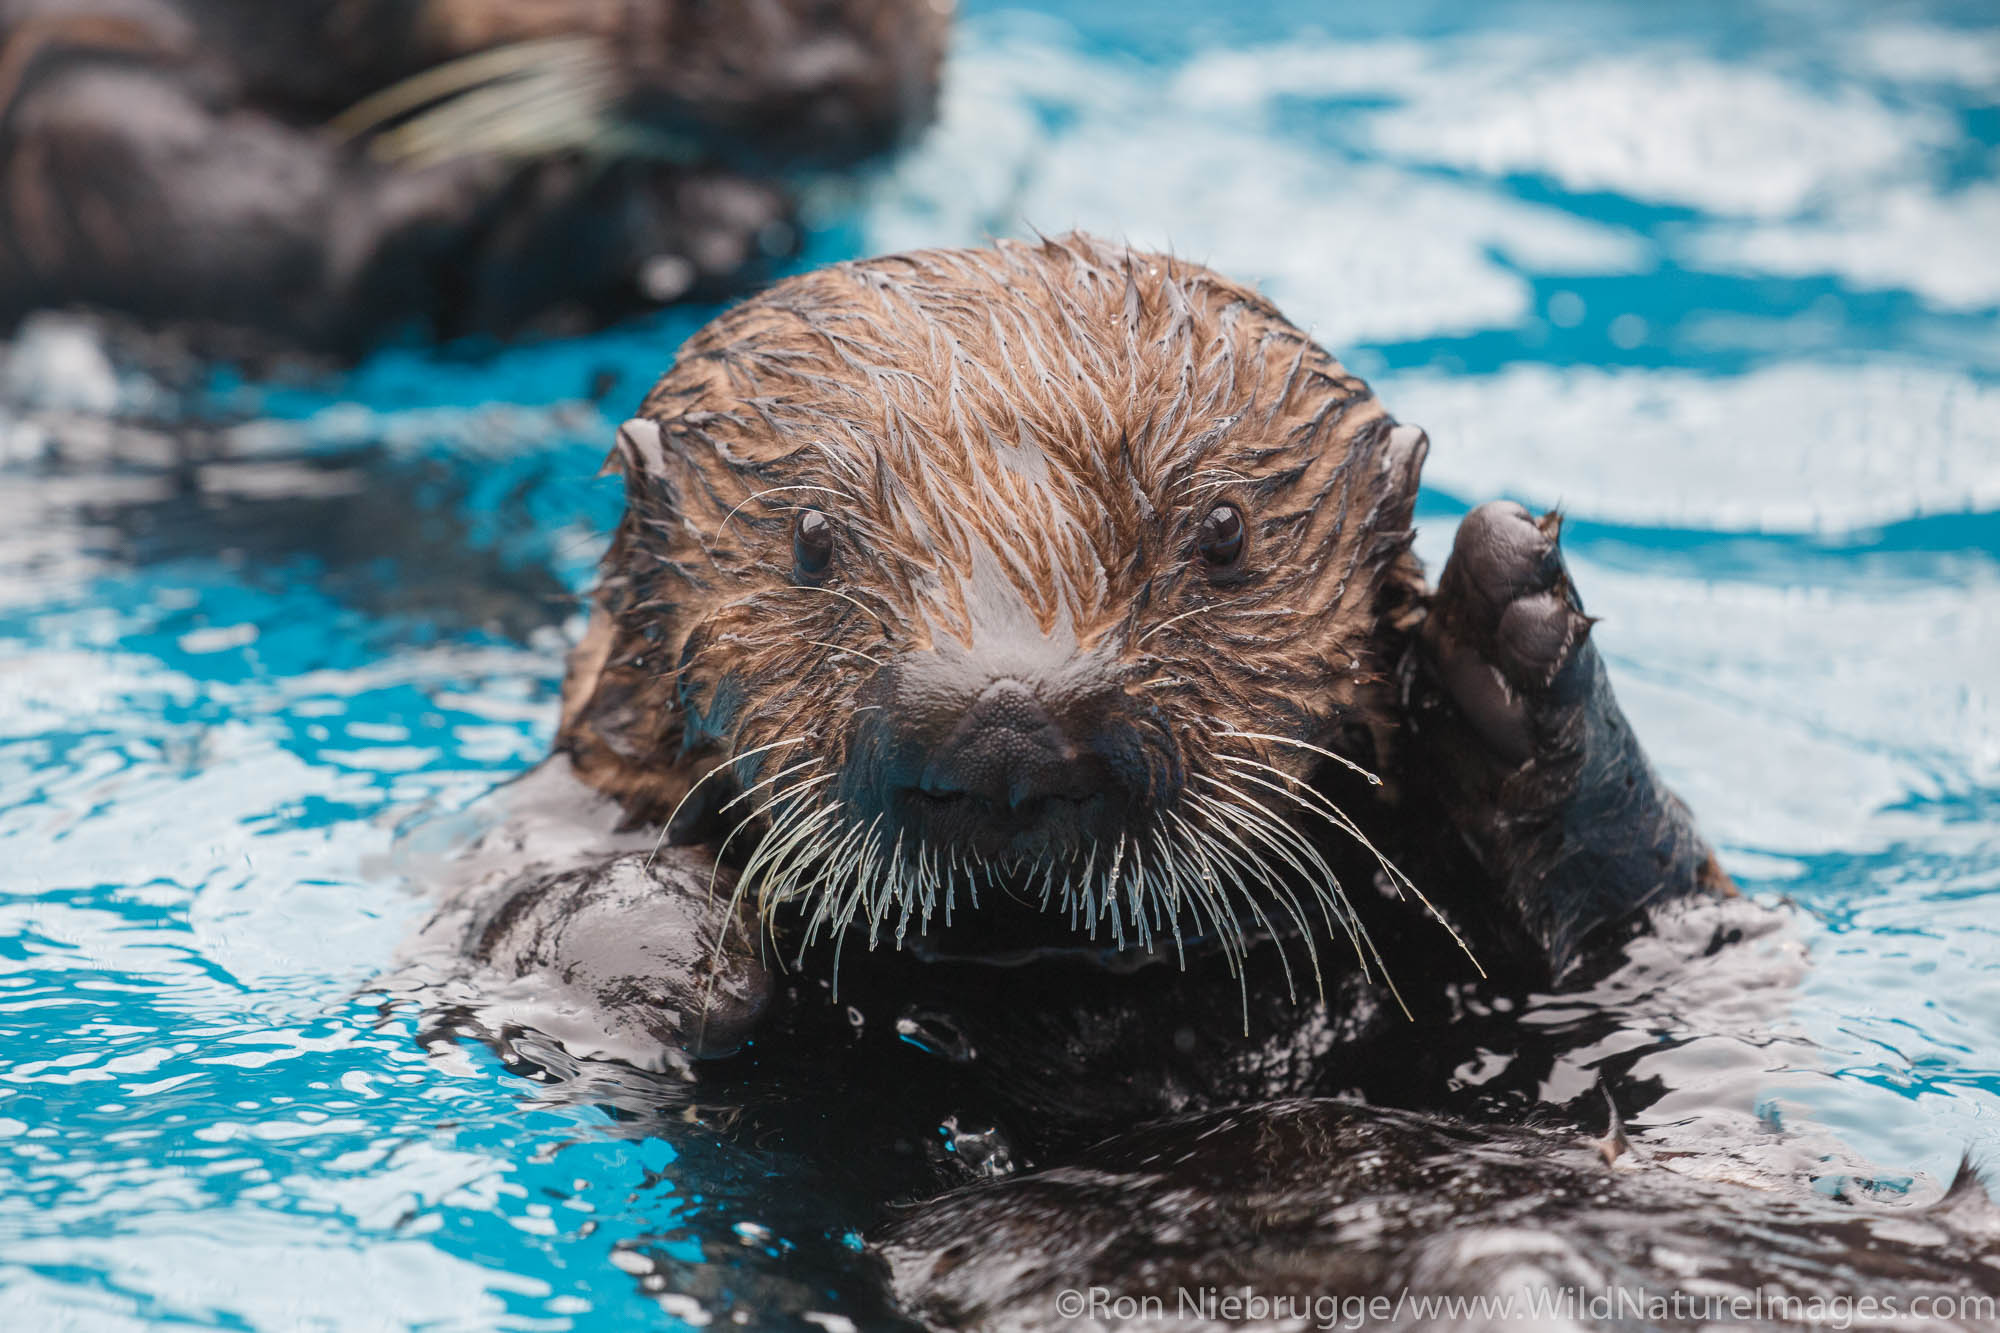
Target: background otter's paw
[
  {"x": 637, "y": 958},
  {"x": 1505, "y": 624},
  {"x": 1517, "y": 730}
]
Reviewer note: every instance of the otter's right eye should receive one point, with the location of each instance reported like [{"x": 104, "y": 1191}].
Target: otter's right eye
[
  {"x": 812, "y": 546},
  {"x": 1220, "y": 540}
]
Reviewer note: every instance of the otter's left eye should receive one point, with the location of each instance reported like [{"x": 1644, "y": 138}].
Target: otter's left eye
[
  {"x": 1221, "y": 539},
  {"x": 812, "y": 545}
]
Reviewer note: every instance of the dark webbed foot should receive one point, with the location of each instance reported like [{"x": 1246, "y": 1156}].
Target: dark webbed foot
[{"x": 1515, "y": 720}]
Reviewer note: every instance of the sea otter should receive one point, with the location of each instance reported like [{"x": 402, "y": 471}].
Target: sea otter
[
  {"x": 1011, "y": 707},
  {"x": 321, "y": 174}
]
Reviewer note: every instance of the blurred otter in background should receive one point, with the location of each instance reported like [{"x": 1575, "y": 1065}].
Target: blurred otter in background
[{"x": 328, "y": 172}]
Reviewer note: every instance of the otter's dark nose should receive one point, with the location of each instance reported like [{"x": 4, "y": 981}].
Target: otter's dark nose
[
  {"x": 1025, "y": 759},
  {"x": 1010, "y": 753}
]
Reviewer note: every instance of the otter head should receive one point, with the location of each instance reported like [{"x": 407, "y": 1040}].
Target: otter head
[{"x": 1047, "y": 573}]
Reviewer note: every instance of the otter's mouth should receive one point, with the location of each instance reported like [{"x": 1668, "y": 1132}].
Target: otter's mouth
[
  {"x": 1048, "y": 853},
  {"x": 992, "y": 829}
]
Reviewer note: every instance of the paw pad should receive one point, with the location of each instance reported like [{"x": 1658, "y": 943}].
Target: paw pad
[
  {"x": 1505, "y": 621},
  {"x": 1515, "y": 603}
]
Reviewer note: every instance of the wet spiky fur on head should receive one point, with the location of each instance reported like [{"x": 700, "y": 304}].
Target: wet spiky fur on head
[{"x": 1059, "y": 417}]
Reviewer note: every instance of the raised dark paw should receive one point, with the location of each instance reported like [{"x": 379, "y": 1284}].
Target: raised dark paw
[
  {"x": 1516, "y": 728},
  {"x": 1505, "y": 625}
]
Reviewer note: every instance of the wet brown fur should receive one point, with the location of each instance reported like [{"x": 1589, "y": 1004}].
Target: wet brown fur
[{"x": 1069, "y": 410}]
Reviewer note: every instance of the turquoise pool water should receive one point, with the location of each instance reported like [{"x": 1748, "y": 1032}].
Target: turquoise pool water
[{"x": 1722, "y": 280}]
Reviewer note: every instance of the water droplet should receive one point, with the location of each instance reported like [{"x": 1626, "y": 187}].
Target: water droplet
[
  {"x": 936, "y": 1034},
  {"x": 984, "y": 1152}
]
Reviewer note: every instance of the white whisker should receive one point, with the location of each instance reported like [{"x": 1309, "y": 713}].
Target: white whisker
[{"x": 1305, "y": 745}]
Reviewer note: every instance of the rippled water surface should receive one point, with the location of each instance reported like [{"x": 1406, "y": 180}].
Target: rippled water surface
[{"x": 1721, "y": 280}]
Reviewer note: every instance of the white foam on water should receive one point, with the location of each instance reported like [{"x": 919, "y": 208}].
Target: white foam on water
[
  {"x": 1392, "y": 214},
  {"x": 1789, "y": 448},
  {"x": 1037, "y": 135},
  {"x": 1944, "y": 246},
  {"x": 1664, "y": 128}
]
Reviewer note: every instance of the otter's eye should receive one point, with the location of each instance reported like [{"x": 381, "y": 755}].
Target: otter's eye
[
  {"x": 1221, "y": 539},
  {"x": 812, "y": 545}
]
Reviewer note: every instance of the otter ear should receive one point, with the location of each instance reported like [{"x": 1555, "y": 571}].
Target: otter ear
[
  {"x": 640, "y": 450},
  {"x": 1403, "y": 455}
]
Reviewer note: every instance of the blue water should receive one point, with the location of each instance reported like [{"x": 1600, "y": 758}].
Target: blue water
[{"x": 1722, "y": 280}]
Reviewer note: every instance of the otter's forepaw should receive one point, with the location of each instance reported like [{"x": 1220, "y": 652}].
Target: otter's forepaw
[
  {"x": 639, "y": 958},
  {"x": 1515, "y": 721},
  {"x": 1506, "y": 628}
]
